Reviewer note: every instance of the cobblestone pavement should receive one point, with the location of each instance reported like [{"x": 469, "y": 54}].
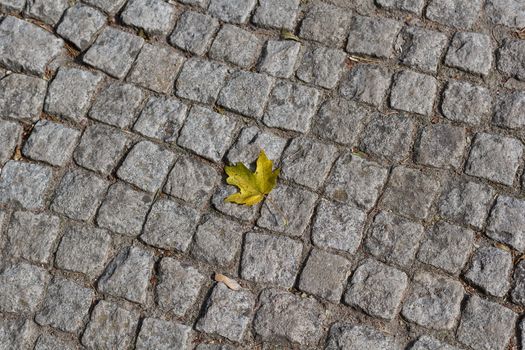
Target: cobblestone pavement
[{"x": 398, "y": 221}]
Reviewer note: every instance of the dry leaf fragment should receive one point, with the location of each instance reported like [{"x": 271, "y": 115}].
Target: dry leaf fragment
[
  {"x": 502, "y": 246},
  {"x": 232, "y": 284},
  {"x": 288, "y": 35},
  {"x": 521, "y": 33},
  {"x": 18, "y": 154},
  {"x": 362, "y": 59}
]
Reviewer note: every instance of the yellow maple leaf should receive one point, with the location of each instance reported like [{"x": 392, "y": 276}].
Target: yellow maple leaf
[{"x": 253, "y": 186}]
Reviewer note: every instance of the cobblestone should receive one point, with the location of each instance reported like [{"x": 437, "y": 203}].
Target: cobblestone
[
  {"x": 23, "y": 287},
  {"x": 153, "y": 16},
  {"x": 194, "y": 32},
  {"x": 413, "y": 92},
  {"x": 201, "y": 80},
  {"x": 506, "y": 12},
  {"x": 46, "y": 11},
  {"x": 231, "y": 11},
  {"x": 372, "y": 36},
  {"x": 163, "y": 335},
  {"x": 490, "y": 270},
  {"x": 279, "y": 58},
  {"x": 162, "y": 118},
  {"x": 441, "y": 146},
  {"x": 421, "y": 48},
  {"x": 471, "y": 52},
  {"x": 326, "y": 24},
  {"x": 321, "y": 66},
  {"x": 507, "y": 112},
  {"x": 236, "y": 46},
  {"x": 80, "y": 25},
  {"x": 17, "y": 333},
  {"x": 366, "y": 83},
  {"x": 22, "y": 97},
  {"x": 355, "y": 337},
  {"x": 510, "y": 58},
  {"x": 454, "y": 13},
  {"x": 276, "y": 13},
  {"x": 10, "y": 134},
  {"x": 464, "y": 102},
  {"x": 506, "y": 222}
]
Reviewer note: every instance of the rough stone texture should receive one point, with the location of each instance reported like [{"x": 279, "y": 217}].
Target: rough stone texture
[
  {"x": 455, "y": 13},
  {"x": 393, "y": 239},
  {"x": 251, "y": 141},
  {"x": 276, "y": 13},
  {"x": 508, "y": 111},
  {"x": 128, "y": 275},
  {"x": 441, "y": 146},
  {"x": 410, "y": 192},
  {"x": 153, "y": 16},
  {"x": 52, "y": 342},
  {"x": 22, "y": 97},
  {"x": 109, "y": 6},
  {"x": 231, "y": 11},
  {"x": 110, "y": 327},
  {"x": 240, "y": 212},
  {"x": 65, "y": 306},
  {"x": 446, "y": 246},
  {"x": 286, "y": 317},
  {"x": 170, "y": 225},
  {"x": 434, "y": 301},
  {"x": 201, "y": 80},
  {"x": 510, "y": 58},
  {"x": 23, "y": 287},
  {"x": 366, "y": 83},
  {"x": 49, "y": 12},
  {"x": 506, "y": 12},
  {"x": 236, "y": 46},
  {"x": 25, "y": 184},
  {"x": 372, "y": 36},
  {"x": 10, "y": 134},
  {"x": 178, "y": 286},
  {"x": 471, "y": 52},
  {"x": 490, "y": 270},
  {"x": 518, "y": 288},
  {"x": 464, "y": 102},
  {"x": 114, "y": 52},
  {"x": 413, "y": 92},
  {"x": 270, "y": 259},
  {"x": 25, "y": 47},
  {"x": 279, "y": 58},
  {"x": 161, "y": 118},
  {"x": 51, "y": 142},
  {"x": 194, "y": 32},
  {"x": 426, "y": 342},
  {"x": 414, "y": 6},
  {"x": 357, "y": 337},
  {"x": 377, "y": 289},
  {"x": 473, "y": 330},
  {"x": 507, "y": 221},
  {"x": 207, "y": 133},
  {"x": 17, "y": 334},
  {"x": 421, "y": 48},
  {"x": 80, "y": 25},
  {"x": 495, "y": 158},
  {"x": 326, "y": 24},
  {"x": 321, "y": 66},
  {"x": 228, "y": 313},
  {"x": 32, "y": 236},
  {"x": 70, "y": 93},
  {"x": 291, "y": 106},
  {"x": 12, "y": 5},
  {"x": 163, "y": 335}
]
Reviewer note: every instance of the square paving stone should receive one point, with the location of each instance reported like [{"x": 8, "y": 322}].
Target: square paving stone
[
  {"x": 217, "y": 241},
  {"x": 163, "y": 335},
  {"x": 114, "y": 52},
  {"x": 25, "y": 47},
  {"x": 110, "y": 327},
  {"x": 291, "y": 106},
  {"x": 510, "y": 13},
  {"x": 414, "y": 6},
  {"x": 279, "y": 58},
  {"x": 518, "y": 288},
  {"x": 124, "y": 210},
  {"x": 389, "y": 136},
  {"x": 192, "y": 180},
  {"x": 23, "y": 287},
  {"x": 53, "y": 342},
  {"x": 101, "y": 148},
  {"x": 464, "y": 102},
  {"x": 340, "y": 120},
  {"x": 250, "y": 143},
  {"x": 377, "y": 289},
  {"x": 276, "y": 13},
  {"x": 372, "y": 36},
  {"x": 109, "y": 6},
  {"x": 426, "y": 342},
  {"x": 241, "y": 212},
  {"x": 71, "y": 92},
  {"x": 49, "y": 12},
  {"x": 51, "y": 142},
  {"x": 79, "y": 194},
  {"x": 65, "y": 306},
  {"x": 80, "y": 25},
  {"x": 410, "y": 192},
  {"x": 246, "y": 93},
  {"x": 194, "y": 32},
  {"x": 434, "y": 301},
  {"x": 200, "y": 3},
  {"x": 207, "y": 133},
  {"x": 83, "y": 249},
  {"x": 356, "y": 180},
  {"x": 490, "y": 270},
  {"x": 326, "y": 24},
  {"x": 236, "y": 46},
  {"x": 421, "y": 48},
  {"x": 156, "y": 68},
  {"x": 270, "y": 259},
  {"x": 170, "y": 225},
  {"x": 146, "y": 166},
  {"x": 10, "y": 137},
  {"x": 508, "y": 112},
  {"x": 128, "y": 275},
  {"x": 393, "y": 239},
  {"x": 454, "y": 13},
  {"x": 321, "y": 66},
  {"x": 471, "y": 52},
  {"x": 288, "y": 210},
  {"x": 441, "y": 146},
  {"x": 18, "y": 333},
  {"x": 338, "y": 226},
  {"x": 201, "y": 80},
  {"x": 178, "y": 286},
  {"x": 474, "y": 329},
  {"x": 308, "y": 162},
  {"x": 507, "y": 222},
  {"x": 227, "y": 313},
  {"x": 285, "y": 316},
  {"x": 466, "y": 202},
  {"x": 366, "y": 83},
  {"x": 413, "y": 92},
  {"x": 12, "y": 5},
  {"x": 161, "y": 118},
  {"x": 446, "y": 246},
  {"x": 25, "y": 184},
  {"x": 511, "y": 57},
  {"x": 117, "y": 104},
  {"x": 155, "y": 17},
  {"x": 22, "y": 97},
  {"x": 324, "y": 275},
  {"x": 32, "y": 236},
  {"x": 357, "y": 337},
  {"x": 231, "y": 11},
  {"x": 495, "y": 158}
]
